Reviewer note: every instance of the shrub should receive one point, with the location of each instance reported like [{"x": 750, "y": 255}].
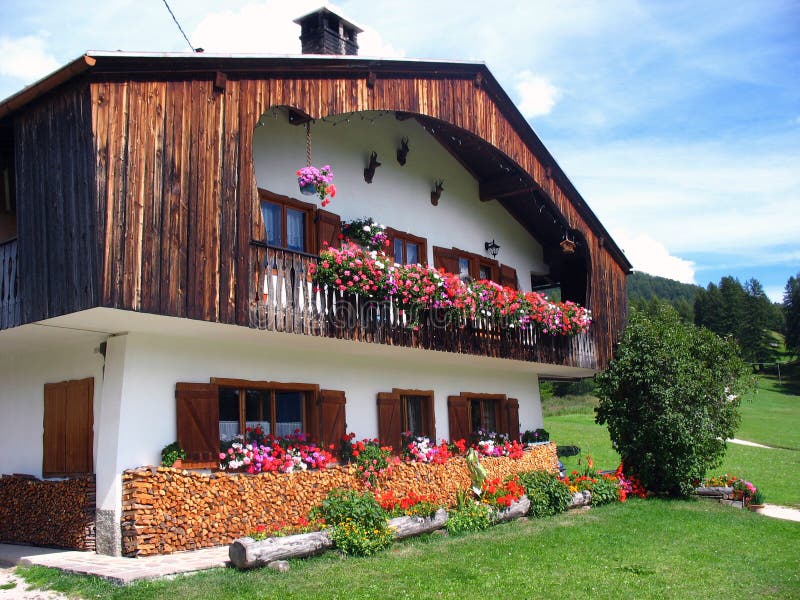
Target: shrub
[
  {"x": 547, "y": 493},
  {"x": 358, "y": 540},
  {"x": 472, "y": 516},
  {"x": 605, "y": 490},
  {"x": 357, "y": 522},
  {"x": 341, "y": 506},
  {"x": 670, "y": 399}
]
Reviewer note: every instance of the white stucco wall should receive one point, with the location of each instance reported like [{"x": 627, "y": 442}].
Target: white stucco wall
[
  {"x": 22, "y": 379},
  {"x": 153, "y": 364},
  {"x": 399, "y": 196}
]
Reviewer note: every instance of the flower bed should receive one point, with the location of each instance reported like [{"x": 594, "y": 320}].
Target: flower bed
[{"x": 166, "y": 510}]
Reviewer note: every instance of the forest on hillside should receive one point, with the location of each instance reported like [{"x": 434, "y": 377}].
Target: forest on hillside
[{"x": 729, "y": 308}]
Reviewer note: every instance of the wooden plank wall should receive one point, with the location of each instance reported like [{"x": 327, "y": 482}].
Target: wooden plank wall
[
  {"x": 55, "y": 173},
  {"x": 177, "y": 197}
]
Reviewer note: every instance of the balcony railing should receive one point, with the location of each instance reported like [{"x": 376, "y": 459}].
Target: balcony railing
[
  {"x": 10, "y": 301},
  {"x": 284, "y": 298}
]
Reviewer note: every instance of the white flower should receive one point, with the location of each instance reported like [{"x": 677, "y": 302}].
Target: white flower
[{"x": 366, "y": 228}]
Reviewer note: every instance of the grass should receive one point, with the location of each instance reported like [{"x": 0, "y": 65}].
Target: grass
[
  {"x": 660, "y": 549},
  {"x": 569, "y": 405},
  {"x": 771, "y": 416}
]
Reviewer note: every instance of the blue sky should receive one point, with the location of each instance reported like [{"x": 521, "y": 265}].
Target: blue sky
[{"x": 679, "y": 122}]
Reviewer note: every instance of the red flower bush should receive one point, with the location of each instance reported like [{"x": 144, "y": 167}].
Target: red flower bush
[{"x": 501, "y": 494}]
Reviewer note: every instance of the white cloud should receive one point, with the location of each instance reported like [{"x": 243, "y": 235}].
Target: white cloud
[
  {"x": 25, "y": 58},
  {"x": 537, "y": 96},
  {"x": 651, "y": 256},
  {"x": 775, "y": 292},
  {"x": 267, "y": 28},
  {"x": 694, "y": 196}
]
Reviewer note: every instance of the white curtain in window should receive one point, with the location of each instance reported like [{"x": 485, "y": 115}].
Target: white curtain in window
[{"x": 295, "y": 230}]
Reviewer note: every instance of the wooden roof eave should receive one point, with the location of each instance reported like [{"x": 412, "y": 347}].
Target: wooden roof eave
[{"x": 44, "y": 85}]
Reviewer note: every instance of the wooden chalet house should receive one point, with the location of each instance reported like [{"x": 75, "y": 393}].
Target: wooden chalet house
[{"x": 154, "y": 245}]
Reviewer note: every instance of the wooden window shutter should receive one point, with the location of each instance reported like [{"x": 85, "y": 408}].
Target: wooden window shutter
[
  {"x": 389, "y": 420},
  {"x": 512, "y": 418},
  {"x": 429, "y": 418},
  {"x": 55, "y": 428},
  {"x": 311, "y": 407},
  {"x": 445, "y": 258},
  {"x": 508, "y": 276},
  {"x": 329, "y": 227},
  {"x": 197, "y": 409},
  {"x": 332, "y": 417},
  {"x": 458, "y": 414},
  {"x": 68, "y": 439}
]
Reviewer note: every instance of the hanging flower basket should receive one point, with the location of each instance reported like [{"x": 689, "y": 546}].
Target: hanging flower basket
[
  {"x": 313, "y": 181},
  {"x": 308, "y": 189}
]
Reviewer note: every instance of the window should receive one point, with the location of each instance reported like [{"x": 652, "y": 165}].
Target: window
[
  {"x": 405, "y": 410},
  {"x": 287, "y": 222},
  {"x": 467, "y": 265},
  {"x": 278, "y": 412},
  {"x": 483, "y": 413},
  {"x": 407, "y": 249},
  {"x": 208, "y": 413},
  {"x": 469, "y": 412},
  {"x": 68, "y": 440}
]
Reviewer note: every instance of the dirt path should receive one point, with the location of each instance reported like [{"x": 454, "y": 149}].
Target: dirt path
[{"x": 20, "y": 590}]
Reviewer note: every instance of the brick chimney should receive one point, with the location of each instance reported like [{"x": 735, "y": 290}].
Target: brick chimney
[{"x": 325, "y": 32}]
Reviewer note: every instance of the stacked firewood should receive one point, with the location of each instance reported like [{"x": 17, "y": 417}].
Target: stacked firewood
[
  {"x": 167, "y": 510},
  {"x": 47, "y": 513}
]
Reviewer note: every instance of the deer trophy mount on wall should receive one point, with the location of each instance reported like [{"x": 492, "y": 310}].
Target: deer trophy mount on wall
[
  {"x": 369, "y": 172},
  {"x": 402, "y": 151},
  {"x": 437, "y": 192}
]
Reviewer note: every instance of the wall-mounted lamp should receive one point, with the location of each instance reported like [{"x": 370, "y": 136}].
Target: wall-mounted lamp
[
  {"x": 369, "y": 172},
  {"x": 402, "y": 151},
  {"x": 437, "y": 192},
  {"x": 492, "y": 248}
]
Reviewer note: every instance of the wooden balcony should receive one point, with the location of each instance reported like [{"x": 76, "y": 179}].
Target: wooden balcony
[
  {"x": 284, "y": 298},
  {"x": 10, "y": 300}
]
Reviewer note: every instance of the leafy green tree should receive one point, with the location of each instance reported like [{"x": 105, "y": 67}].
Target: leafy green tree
[
  {"x": 791, "y": 309},
  {"x": 670, "y": 399}
]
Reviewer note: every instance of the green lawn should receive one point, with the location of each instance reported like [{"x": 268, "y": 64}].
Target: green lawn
[
  {"x": 771, "y": 416},
  {"x": 642, "y": 549}
]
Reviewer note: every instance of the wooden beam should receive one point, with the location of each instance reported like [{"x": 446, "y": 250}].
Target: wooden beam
[
  {"x": 220, "y": 79},
  {"x": 298, "y": 117},
  {"x": 502, "y": 187}
]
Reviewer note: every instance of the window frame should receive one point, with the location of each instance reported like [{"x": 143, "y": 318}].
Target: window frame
[
  {"x": 421, "y": 242},
  {"x": 428, "y": 412},
  {"x": 498, "y": 400},
  {"x": 310, "y": 393},
  {"x": 309, "y": 209},
  {"x": 476, "y": 261}
]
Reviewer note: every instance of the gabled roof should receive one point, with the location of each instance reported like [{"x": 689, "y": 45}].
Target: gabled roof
[{"x": 472, "y": 152}]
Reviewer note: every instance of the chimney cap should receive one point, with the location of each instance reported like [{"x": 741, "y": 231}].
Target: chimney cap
[{"x": 323, "y": 10}]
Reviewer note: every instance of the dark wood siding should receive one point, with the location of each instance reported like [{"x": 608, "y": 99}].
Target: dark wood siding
[
  {"x": 175, "y": 196},
  {"x": 55, "y": 182}
]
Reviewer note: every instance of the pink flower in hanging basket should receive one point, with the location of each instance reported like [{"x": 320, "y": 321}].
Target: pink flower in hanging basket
[{"x": 317, "y": 181}]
